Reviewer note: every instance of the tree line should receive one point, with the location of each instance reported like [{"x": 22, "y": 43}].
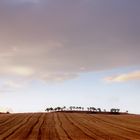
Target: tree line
[{"x": 79, "y": 108}]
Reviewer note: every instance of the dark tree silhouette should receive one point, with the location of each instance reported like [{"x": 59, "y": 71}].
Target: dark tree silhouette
[
  {"x": 70, "y": 107},
  {"x": 47, "y": 109},
  {"x": 51, "y": 109},
  {"x": 93, "y": 109},
  {"x": 64, "y": 107},
  {"x": 99, "y": 109},
  {"x": 114, "y": 110}
]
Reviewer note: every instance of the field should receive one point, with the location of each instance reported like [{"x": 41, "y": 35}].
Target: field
[{"x": 69, "y": 126}]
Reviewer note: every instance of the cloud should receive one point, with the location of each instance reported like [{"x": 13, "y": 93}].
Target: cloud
[
  {"x": 124, "y": 77},
  {"x": 16, "y": 71},
  {"x": 22, "y": 71},
  {"x": 58, "y": 77},
  {"x": 13, "y": 85},
  {"x": 57, "y": 41},
  {"x": 23, "y": 1}
]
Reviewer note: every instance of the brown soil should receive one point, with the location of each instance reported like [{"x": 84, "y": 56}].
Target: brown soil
[{"x": 69, "y": 126}]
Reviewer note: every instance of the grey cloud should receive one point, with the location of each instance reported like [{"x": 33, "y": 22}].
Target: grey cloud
[
  {"x": 17, "y": 2},
  {"x": 58, "y": 37}
]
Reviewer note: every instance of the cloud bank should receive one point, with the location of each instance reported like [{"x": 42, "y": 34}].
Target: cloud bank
[
  {"x": 17, "y": 2},
  {"x": 58, "y": 40}
]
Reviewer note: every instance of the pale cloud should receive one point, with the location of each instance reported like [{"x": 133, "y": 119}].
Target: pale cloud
[
  {"x": 16, "y": 71},
  {"x": 22, "y": 71},
  {"x": 124, "y": 77},
  {"x": 13, "y": 85},
  {"x": 58, "y": 77}
]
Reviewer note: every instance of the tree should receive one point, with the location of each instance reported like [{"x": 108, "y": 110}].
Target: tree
[
  {"x": 77, "y": 108},
  {"x": 51, "y": 109},
  {"x": 55, "y": 108},
  {"x": 93, "y": 109},
  {"x": 47, "y": 109},
  {"x": 71, "y": 107},
  {"x": 114, "y": 110},
  {"x": 80, "y": 108},
  {"x": 99, "y": 109},
  {"x": 64, "y": 107},
  {"x": 59, "y": 108}
]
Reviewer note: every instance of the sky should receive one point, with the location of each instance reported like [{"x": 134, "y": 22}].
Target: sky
[{"x": 64, "y": 52}]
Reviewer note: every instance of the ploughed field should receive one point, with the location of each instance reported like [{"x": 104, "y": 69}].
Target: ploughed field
[{"x": 69, "y": 126}]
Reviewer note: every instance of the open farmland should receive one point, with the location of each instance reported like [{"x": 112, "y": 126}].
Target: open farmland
[{"x": 69, "y": 126}]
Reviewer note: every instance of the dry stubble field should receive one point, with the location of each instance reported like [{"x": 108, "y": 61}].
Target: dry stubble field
[{"x": 69, "y": 126}]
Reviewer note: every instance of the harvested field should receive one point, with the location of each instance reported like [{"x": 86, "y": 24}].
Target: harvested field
[{"x": 69, "y": 126}]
